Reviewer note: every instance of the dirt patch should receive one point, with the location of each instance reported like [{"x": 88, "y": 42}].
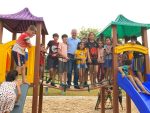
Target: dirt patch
[{"x": 71, "y": 104}]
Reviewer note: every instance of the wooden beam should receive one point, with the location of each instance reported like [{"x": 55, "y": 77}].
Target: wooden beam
[
  {"x": 128, "y": 103},
  {"x": 36, "y": 69},
  {"x": 1, "y": 31},
  {"x": 103, "y": 100},
  {"x": 12, "y": 61},
  {"x": 40, "y": 98},
  {"x": 145, "y": 43},
  {"x": 14, "y": 36},
  {"x": 41, "y": 85},
  {"x": 115, "y": 70},
  {"x": 43, "y": 39}
]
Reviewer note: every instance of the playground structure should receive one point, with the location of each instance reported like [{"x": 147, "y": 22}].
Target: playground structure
[
  {"x": 123, "y": 28},
  {"x": 18, "y": 23}
]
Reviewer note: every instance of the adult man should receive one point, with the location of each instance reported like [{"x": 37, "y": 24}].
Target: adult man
[{"x": 72, "y": 46}]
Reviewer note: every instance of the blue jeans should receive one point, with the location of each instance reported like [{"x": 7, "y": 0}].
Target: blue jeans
[{"x": 72, "y": 66}]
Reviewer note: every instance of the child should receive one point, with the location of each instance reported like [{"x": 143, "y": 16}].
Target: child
[
  {"x": 42, "y": 60},
  {"x": 134, "y": 80},
  {"x": 138, "y": 59},
  {"x": 84, "y": 40},
  {"x": 109, "y": 95},
  {"x": 8, "y": 96},
  {"x": 85, "y": 76},
  {"x": 108, "y": 59},
  {"x": 81, "y": 55},
  {"x": 100, "y": 74},
  {"x": 62, "y": 61},
  {"x": 120, "y": 59},
  {"x": 93, "y": 55},
  {"x": 18, "y": 50},
  {"x": 52, "y": 58}
]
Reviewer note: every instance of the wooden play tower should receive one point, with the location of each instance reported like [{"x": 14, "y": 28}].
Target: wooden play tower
[
  {"x": 122, "y": 28},
  {"x": 18, "y": 23}
]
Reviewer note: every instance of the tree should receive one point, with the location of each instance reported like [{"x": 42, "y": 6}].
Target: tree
[{"x": 85, "y": 31}]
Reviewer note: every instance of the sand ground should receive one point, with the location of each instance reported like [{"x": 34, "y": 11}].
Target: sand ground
[{"x": 71, "y": 104}]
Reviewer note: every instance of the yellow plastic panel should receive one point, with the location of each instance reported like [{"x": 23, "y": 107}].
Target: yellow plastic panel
[
  {"x": 5, "y": 58},
  {"x": 30, "y": 64},
  {"x": 131, "y": 47}
]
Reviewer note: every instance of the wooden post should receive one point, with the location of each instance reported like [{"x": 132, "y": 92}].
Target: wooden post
[
  {"x": 115, "y": 64},
  {"x": 43, "y": 39},
  {"x": 145, "y": 43},
  {"x": 14, "y": 36},
  {"x": 12, "y": 61},
  {"x": 40, "y": 98},
  {"x": 128, "y": 104},
  {"x": 102, "y": 99},
  {"x": 41, "y": 85},
  {"x": 1, "y": 31},
  {"x": 128, "y": 99},
  {"x": 36, "y": 69}
]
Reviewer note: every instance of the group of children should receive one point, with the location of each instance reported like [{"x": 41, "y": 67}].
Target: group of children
[{"x": 91, "y": 57}]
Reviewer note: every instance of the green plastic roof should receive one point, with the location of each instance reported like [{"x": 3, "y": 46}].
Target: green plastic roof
[{"x": 125, "y": 28}]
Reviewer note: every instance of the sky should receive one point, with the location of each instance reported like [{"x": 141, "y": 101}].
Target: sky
[{"x": 61, "y": 16}]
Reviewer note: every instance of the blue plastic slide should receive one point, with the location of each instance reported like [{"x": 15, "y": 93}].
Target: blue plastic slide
[
  {"x": 18, "y": 108},
  {"x": 142, "y": 101}
]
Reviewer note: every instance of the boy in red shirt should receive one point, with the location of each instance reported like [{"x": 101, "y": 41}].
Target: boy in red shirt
[
  {"x": 18, "y": 50},
  {"x": 42, "y": 60}
]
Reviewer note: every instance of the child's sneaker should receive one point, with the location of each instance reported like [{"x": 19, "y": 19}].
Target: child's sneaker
[
  {"x": 85, "y": 84},
  {"x": 53, "y": 84},
  {"x": 81, "y": 85},
  {"x": 49, "y": 80},
  {"x": 68, "y": 86},
  {"x": 62, "y": 85}
]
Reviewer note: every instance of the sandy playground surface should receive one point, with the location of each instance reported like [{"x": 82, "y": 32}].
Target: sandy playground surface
[{"x": 71, "y": 104}]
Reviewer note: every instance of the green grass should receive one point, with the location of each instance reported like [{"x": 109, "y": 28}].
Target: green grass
[{"x": 57, "y": 92}]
